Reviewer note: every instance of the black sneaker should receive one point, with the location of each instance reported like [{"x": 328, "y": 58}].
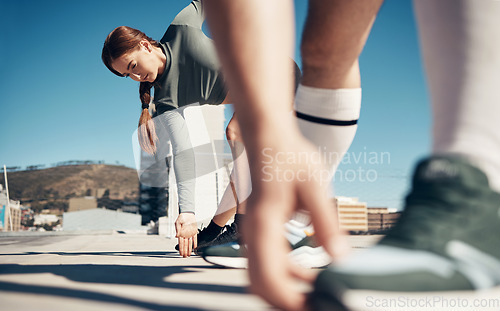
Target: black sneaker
[
  {"x": 446, "y": 240},
  {"x": 230, "y": 234},
  {"x": 205, "y": 237},
  {"x": 305, "y": 252}
]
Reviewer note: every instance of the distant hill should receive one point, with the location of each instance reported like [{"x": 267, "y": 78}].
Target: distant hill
[{"x": 64, "y": 182}]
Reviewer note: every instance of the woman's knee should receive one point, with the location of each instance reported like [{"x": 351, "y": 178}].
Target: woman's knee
[{"x": 232, "y": 132}]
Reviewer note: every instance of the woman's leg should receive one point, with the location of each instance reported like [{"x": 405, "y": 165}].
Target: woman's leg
[
  {"x": 239, "y": 188},
  {"x": 460, "y": 44},
  {"x": 328, "y": 100}
]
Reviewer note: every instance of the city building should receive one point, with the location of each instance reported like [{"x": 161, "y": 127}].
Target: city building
[
  {"x": 83, "y": 203},
  {"x": 381, "y": 219},
  {"x": 10, "y": 213},
  {"x": 45, "y": 219},
  {"x": 27, "y": 218},
  {"x": 90, "y": 214},
  {"x": 99, "y": 219},
  {"x": 356, "y": 217},
  {"x": 352, "y": 214}
]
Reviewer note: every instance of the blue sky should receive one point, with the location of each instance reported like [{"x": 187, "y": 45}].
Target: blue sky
[{"x": 59, "y": 102}]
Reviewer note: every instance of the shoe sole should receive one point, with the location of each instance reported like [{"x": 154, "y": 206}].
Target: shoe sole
[
  {"x": 358, "y": 300},
  {"x": 228, "y": 262},
  {"x": 305, "y": 256},
  {"x": 310, "y": 257}
]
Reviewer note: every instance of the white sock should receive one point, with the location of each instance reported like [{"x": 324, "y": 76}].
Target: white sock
[
  {"x": 460, "y": 42},
  {"x": 328, "y": 118},
  {"x": 296, "y": 231}
]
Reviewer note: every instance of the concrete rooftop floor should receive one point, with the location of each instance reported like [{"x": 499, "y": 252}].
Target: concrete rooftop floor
[{"x": 112, "y": 271}]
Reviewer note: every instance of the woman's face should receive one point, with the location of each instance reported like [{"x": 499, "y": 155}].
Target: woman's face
[{"x": 141, "y": 64}]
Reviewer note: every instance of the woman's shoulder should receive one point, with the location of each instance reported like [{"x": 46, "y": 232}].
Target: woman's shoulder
[
  {"x": 192, "y": 15},
  {"x": 181, "y": 31}
]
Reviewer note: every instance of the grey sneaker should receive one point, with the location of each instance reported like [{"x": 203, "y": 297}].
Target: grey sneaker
[
  {"x": 447, "y": 240},
  {"x": 305, "y": 252}
]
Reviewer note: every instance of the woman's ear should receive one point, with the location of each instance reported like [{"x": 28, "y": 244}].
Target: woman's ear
[{"x": 146, "y": 45}]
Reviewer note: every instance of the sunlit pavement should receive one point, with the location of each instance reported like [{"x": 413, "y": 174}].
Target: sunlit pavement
[{"x": 117, "y": 272}]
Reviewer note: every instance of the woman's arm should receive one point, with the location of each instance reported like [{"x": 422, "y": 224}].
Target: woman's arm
[{"x": 177, "y": 133}]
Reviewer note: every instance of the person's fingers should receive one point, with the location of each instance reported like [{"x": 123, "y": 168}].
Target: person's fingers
[
  {"x": 306, "y": 275},
  {"x": 325, "y": 222},
  {"x": 183, "y": 247},
  {"x": 282, "y": 294},
  {"x": 190, "y": 247},
  {"x": 270, "y": 279},
  {"x": 195, "y": 241}
]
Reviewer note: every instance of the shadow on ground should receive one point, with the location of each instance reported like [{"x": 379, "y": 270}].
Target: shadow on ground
[
  {"x": 149, "y": 276},
  {"x": 165, "y": 254}
]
